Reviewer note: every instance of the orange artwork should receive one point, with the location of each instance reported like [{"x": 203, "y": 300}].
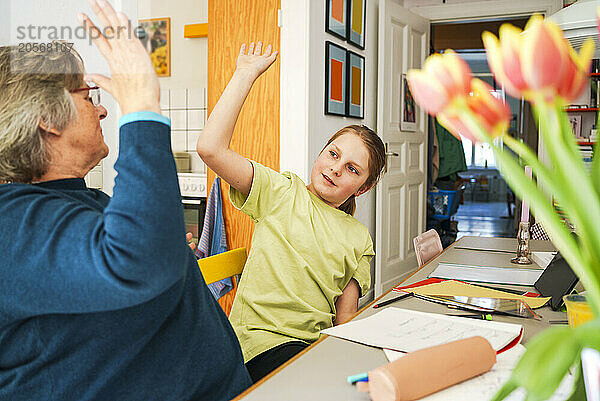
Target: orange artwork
[
  {"x": 337, "y": 10},
  {"x": 337, "y": 86}
]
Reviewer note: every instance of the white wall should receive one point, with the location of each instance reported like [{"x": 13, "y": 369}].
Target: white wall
[
  {"x": 188, "y": 56},
  {"x": 304, "y": 126}
]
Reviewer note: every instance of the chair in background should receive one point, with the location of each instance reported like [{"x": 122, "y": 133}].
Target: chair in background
[
  {"x": 482, "y": 186},
  {"x": 223, "y": 265},
  {"x": 536, "y": 231},
  {"x": 427, "y": 246}
]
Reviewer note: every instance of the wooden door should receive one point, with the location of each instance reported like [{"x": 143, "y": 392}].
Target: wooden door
[
  {"x": 256, "y": 136},
  {"x": 401, "y": 194}
]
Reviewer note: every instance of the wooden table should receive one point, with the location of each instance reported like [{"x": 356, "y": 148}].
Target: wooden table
[{"x": 320, "y": 371}]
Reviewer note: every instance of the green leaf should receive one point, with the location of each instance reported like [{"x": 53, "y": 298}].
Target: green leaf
[
  {"x": 596, "y": 167},
  {"x": 563, "y": 151},
  {"x": 588, "y": 334},
  {"x": 523, "y": 186},
  {"x": 578, "y": 393},
  {"x": 505, "y": 391},
  {"x": 546, "y": 361}
]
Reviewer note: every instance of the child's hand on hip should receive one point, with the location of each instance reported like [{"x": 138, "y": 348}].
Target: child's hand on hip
[{"x": 253, "y": 62}]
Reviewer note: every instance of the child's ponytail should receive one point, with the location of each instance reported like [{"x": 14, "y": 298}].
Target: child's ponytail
[{"x": 349, "y": 206}]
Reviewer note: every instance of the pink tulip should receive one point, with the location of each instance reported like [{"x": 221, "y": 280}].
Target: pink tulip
[
  {"x": 598, "y": 19},
  {"x": 538, "y": 60},
  {"x": 504, "y": 59},
  {"x": 575, "y": 78},
  {"x": 544, "y": 54},
  {"x": 443, "y": 78},
  {"x": 491, "y": 113}
]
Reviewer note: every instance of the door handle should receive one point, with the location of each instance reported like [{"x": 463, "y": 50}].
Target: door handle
[{"x": 388, "y": 154}]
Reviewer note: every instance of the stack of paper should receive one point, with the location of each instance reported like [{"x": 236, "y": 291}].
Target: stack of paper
[
  {"x": 407, "y": 330},
  {"x": 485, "y": 267},
  {"x": 457, "y": 288},
  {"x": 542, "y": 259}
]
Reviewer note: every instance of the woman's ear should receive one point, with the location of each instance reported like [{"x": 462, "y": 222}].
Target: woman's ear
[{"x": 49, "y": 129}]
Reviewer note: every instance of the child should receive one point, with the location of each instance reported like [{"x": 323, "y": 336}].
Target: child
[{"x": 309, "y": 260}]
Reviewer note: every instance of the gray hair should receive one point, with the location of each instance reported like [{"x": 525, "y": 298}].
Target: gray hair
[{"x": 34, "y": 88}]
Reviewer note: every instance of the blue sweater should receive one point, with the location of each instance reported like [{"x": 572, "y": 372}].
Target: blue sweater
[{"x": 102, "y": 299}]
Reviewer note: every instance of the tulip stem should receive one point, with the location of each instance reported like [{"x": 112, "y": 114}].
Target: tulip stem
[{"x": 582, "y": 263}]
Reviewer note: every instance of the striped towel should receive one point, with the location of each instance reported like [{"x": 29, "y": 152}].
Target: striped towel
[{"x": 213, "y": 239}]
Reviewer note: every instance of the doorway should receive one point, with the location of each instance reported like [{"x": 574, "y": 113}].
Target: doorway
[{"x": 486, "y": 205}]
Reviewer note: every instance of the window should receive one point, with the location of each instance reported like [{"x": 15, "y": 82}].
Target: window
[{"x": 480, "y": 155}]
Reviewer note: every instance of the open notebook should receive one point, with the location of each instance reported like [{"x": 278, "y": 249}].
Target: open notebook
[{"x": 407, "y": 330}]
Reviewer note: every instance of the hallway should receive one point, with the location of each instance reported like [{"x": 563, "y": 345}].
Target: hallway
[{"x": 484, "y": 219}]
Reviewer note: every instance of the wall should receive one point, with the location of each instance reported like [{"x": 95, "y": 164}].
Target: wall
[
  {"x": 183, "y": 94},
  {"x": 304, "y": 127},
  {"x": 188, "y": 56}
]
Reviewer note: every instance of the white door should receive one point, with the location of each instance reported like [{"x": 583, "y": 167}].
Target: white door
[{"x": 401, "y": 194}]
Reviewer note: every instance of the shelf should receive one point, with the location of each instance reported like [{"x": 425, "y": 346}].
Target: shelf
[
  {"x": 594, "y": 74},
  {"x": 581, "y": 109},
  {"x": 585, "y": 143},
  {"x": 195, "y": 30}
]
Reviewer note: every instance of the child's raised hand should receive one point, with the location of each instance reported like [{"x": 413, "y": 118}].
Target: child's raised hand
[{"x": 253, "y": 62}]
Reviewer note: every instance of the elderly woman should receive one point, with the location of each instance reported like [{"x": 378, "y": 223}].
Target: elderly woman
[{"x": 86, "y": 313}]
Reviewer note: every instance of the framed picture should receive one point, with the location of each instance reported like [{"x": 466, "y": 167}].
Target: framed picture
[
  {"x": 335, "y": 79},
  {"x": 408, "y": 117},
  {"x": 155, "y": 35},
  {"x": 356, "y": 22},
  {"x": 575, "y": 120},
  {"x": 335, "y": 19},
  {"x": 355, "y": 86}
]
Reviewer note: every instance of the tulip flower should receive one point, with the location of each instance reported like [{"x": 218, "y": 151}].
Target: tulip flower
[
  {"x": 537, "y": 61},
  {"x": 491, "y": 113},
  {"x": 442, "y": 79},
  {"x": 575, "y": 77},
  {"x": 598, "y": 19},
  {"x": 504, "y": 58}
]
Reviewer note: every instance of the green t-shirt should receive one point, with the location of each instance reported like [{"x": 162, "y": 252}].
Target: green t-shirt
[{"x": 304, "y": 252}]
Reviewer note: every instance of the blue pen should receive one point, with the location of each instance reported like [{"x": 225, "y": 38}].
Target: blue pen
[{"x": 361, "y": 377}]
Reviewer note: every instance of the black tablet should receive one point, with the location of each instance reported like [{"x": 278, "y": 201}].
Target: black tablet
[{"x": 556, "y": 281}]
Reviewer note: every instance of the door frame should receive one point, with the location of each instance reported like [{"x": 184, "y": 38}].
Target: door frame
[{"x": 485, "y": 9}]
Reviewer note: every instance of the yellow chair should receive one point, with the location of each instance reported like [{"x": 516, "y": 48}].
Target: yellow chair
[{"x": 222, "y": 265}]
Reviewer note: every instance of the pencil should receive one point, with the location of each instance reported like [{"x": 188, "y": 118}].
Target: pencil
[
  {"x": 361, "y": 377},
  {"x": 389, "y": 301},
  {"x": 484, "y": 316}
]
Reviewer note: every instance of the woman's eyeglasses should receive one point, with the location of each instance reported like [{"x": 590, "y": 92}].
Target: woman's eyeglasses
[{"x": 93, "y": 94}]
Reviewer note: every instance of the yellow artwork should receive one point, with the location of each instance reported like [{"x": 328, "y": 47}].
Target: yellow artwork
[
  {"x": 357, "y": 17},
  {"x": 155, "y": 35}
]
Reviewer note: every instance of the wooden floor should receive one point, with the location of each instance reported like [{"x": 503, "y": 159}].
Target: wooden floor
[{"x": 484, "y": 219}]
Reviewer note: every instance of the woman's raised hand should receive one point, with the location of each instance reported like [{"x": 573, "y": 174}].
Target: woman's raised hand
[
  {"x": 253, "y": 61},
  {"x": 133, "y": 82}
]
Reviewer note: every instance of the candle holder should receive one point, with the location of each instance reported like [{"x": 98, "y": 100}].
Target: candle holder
[{"x": 522, "y": 245}]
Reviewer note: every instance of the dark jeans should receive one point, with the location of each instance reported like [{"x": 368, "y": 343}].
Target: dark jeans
[{"x": 263, "y": 364}]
